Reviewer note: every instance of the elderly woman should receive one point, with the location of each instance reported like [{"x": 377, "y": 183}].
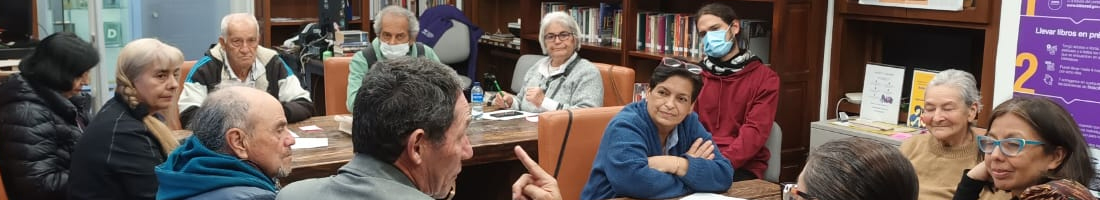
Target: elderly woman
[
  {"x": 561, "y": 81},
  {"x": 856, "y": 169},
  {"x": 1034, "y": 150},
  {"x": 951, "y": 103},
  {"x": 43, "y": 117},
  {"x": 127, "y": 139}
]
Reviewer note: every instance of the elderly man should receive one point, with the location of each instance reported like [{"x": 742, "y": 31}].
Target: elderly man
[
  {"x": 396, "y": 28},
  {"x": 239, "y": 145},
  {"x": 238, "y": 58},
  {"x": 408, "y": 134}
]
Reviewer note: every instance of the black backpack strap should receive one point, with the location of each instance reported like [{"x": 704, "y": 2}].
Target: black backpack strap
[{"x": 368, "y": 53}]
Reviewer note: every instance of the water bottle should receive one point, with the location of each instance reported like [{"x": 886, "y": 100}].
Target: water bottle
[{"x": 477, "y": 99}]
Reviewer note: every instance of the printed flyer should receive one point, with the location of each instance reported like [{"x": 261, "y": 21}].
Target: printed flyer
[{"x": 1058, "y": 57}]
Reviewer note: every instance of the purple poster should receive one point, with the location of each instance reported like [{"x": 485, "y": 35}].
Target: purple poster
[{"x": 1058, "y": 57}]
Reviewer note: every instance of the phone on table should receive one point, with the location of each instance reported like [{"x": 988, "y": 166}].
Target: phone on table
[{"x": 505, "y": 114}]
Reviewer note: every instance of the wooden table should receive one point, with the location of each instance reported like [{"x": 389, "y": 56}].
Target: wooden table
[
  {"x": 492, "y": 141},
  {"x": 753, "y": 189}
]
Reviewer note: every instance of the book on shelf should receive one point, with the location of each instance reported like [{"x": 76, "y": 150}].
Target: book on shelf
[
  {"x": 596, "y": 24},
  {"x": 676, "y": 34}
]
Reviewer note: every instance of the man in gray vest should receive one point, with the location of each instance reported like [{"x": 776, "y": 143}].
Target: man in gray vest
[{"x": 396, "y": 28}]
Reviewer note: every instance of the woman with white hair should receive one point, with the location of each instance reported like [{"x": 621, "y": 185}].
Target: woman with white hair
[
  {"x": 951, "y": 103},
  {"x": 127, "y": 139},
  {"x": 562, "y": 80}
]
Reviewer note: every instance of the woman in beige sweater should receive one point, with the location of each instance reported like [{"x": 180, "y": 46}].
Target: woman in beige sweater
[{"x": 951, "y": 103}]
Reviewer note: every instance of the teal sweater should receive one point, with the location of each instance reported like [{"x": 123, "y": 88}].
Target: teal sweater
[
  {"x": 621, "y": 167},
  {"x": 193, "y": 170}
]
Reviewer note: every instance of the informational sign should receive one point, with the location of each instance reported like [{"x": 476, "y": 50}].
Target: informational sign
[
  {"x": 921, "y": 78},
  {"x": 1058, "y": 57},
  {"x": 952, "y": 5},
  {"x": 882, "y": 86},
  {"x": 112, "y": 34}
]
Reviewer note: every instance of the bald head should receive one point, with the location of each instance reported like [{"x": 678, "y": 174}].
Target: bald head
[{"x": 228, "y": 107}]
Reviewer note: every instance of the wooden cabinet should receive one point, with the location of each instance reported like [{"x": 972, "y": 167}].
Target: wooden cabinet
[
  {"x": 797, "y": 45},
  {"x": 929, "y": 39}
]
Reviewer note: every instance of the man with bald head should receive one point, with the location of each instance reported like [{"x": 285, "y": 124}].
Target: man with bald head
[
  {"x": 238, "y": 58},
  {"x": 239, "y": 145}
]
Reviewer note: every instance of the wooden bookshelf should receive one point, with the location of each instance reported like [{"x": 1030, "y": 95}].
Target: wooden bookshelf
[
  {"x": 964, "y": 40},
  {"x": 796, "y": 53},
  {"x": 301, "y": 12}
]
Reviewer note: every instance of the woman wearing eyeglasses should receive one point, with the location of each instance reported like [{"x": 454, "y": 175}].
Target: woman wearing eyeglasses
[
  {"x": 951, "y": 102},
  {"x": 855, "y": 169},
  {"x": 740, "y": 93},
  {"x": 1033, "y": 150},
  {"x": 562, "y": 80}
]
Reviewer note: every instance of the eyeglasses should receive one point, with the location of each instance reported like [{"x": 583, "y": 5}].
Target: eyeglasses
[
  {"x": 791, "y": 192},
  {"x": 563, "y": 36},
  {"x": 673, "y": 62},
  {"x": 1009, "y": 146}
]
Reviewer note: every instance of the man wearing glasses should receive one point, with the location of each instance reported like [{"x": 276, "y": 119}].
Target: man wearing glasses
[{"x": 239, "y": 57}]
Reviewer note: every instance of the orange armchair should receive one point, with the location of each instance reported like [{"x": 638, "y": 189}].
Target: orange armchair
[
  {"x": 172, "y": 117},
  {"x": 586, "y": 132},
  {"x": 618, "y": 84},
  {"x": 336, "y": 85}
]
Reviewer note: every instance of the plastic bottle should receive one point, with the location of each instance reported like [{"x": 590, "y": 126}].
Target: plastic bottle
[{"x": 477, "y": 99}]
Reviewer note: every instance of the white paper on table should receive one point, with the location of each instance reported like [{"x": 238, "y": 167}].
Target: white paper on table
[
  {"x": 292, "y": 133},
  {"x": 305, "y": 143},
  {"x": 709, "y": 196},
  {"x": 489, "y": 115},
  {"x": 310, "y": 128}
]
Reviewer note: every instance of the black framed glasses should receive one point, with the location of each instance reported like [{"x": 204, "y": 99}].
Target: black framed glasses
[
  {"x": 673, "y": 62},
  {"x": 791, "y": 192},
  {"x": 1008, "y": 146},
  {"x": 563, "y": 36}
]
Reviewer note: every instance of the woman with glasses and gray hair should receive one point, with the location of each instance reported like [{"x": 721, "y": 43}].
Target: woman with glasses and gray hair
[
  {"x": 854, "y": 169},
  {"x": 1034, "y": 150},
  {"x": 562, "y": 80},
  {"x": 951, "y": 103}
]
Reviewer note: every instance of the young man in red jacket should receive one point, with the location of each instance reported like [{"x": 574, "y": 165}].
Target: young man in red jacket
[{"x": 740, "y": 93}]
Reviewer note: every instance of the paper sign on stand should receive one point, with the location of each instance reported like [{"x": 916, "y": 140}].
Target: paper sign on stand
[{"x": 881, "y": 93}]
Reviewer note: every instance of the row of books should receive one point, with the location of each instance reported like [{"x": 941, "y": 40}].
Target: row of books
[
  {"x": 676, "y": 34},
  {"x": 418, "y": 6},
  {"x": 597, "y": 24}
]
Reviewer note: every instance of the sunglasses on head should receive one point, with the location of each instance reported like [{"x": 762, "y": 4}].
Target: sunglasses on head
[{"x": 677, "y": 63}]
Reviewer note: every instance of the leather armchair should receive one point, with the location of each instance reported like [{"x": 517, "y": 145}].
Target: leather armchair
[
  {"x": 586, "y": 127},
  {"x": 336, "y": 85}
]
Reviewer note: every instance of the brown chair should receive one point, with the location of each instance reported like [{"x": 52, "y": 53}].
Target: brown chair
[
  {"x": 586, "y": 132},
  {"x": 3, "y": 192},
  {"x": 172, "y": 117},
  {"x": 336, "y": 85},
  {"x": 618, "y": 84}
]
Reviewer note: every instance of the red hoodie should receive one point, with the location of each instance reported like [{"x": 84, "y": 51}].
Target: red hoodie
[{"x": 738, "y": 109}]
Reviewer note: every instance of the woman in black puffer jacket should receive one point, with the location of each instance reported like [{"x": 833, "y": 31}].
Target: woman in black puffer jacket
[{"x": 42, "y": 114}]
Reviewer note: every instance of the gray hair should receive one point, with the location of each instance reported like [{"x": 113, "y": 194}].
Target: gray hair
[
  {"x": 399, "y": 96},
  {"x": 563, "y": 19},
  {"x": 238, "y": 17},
  {"x": 414, "y": 25},
  {"x": 962, "y": 80},
  {"x": 859, "y": 168},
  {"x": 223, "y": 109}
]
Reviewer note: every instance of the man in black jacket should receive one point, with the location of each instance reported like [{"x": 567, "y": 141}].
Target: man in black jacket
[{"x": 238, "y": 57}]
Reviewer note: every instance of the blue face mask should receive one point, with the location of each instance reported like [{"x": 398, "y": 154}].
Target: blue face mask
[{"x": 715, "y": 43}]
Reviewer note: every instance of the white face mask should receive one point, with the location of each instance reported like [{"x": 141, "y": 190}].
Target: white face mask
[{"x": 393, "y": 51}]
